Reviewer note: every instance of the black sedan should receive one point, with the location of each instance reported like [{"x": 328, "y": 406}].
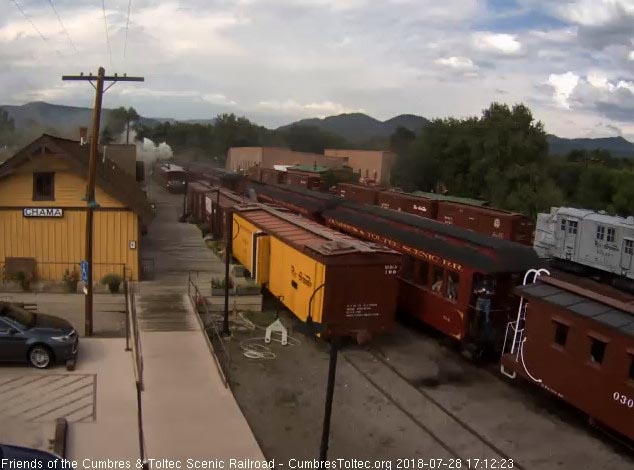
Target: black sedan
[
  {"x": 24, "y": 457},
  {"x": 38, "y": 339}
]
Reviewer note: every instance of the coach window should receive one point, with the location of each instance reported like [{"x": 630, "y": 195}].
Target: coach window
[
  {"x": 611, "y": 234},
  {"x": 632, "y": 367},
  {"x": 453, "y": 282},
  {"x": 563, "y": 225},
  {"x": 600, "y": 232},
  {"x": 629, "y": 247},
  {"x": 438, "y": 276},
  {"x": 561, "y": 333},
  {"x": 43, "y": 186},
  {"x": 597, "y": 350},
  {"x": 422, "y": 273}
]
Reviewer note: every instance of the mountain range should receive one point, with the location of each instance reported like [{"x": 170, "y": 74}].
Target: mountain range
[{"x": 355, "y": 127}]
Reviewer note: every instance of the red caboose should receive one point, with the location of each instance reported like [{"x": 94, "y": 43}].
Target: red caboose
[{"x": 579, "y": 345}]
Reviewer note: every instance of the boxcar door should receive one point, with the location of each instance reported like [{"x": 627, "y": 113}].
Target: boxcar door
[{"x": 626, "y": 254}]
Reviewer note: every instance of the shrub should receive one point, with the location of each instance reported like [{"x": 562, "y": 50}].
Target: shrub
[
  {"x": 219, "y": 283},
  {"x": 113, "y": 281},
  {"x": 23, "y": 278}
]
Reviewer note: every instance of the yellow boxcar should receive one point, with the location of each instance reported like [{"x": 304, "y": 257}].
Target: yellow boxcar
[{"x": 348, "y": 285}]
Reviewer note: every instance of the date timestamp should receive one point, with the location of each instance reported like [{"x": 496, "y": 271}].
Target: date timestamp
[{"x": 451, "y": 464}]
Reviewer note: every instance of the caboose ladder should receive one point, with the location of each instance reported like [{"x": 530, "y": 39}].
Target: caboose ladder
[{"x": 516, "y": 328}]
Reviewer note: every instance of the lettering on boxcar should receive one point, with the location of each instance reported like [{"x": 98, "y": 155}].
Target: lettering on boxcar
[{"x": 362, "y": 310}]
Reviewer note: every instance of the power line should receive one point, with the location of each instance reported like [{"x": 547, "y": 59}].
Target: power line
[
  {"x": 105, "y": 22},
  {"x": 50, "y": 2},
  {"x": 29, "y": 20},
  {"x": 127, "y": 25}
]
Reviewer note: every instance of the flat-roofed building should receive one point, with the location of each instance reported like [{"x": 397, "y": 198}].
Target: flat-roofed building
[
  {"x": 243, "y": 158},
  {"x": 372, "y": 165}
]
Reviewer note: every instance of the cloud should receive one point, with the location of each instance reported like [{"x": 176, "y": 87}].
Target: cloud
[
  {"x": 631, "y": 55},
  {"x": 322, "y": 109},
  {"x": 218, "y": 98},
  {"x": 460, "y": 63},
  {"x": 563, "y": 85},
  {"x": 506, "y": 44}
]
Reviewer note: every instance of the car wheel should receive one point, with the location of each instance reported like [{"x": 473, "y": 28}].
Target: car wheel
[{"x": 40, "y": 357}]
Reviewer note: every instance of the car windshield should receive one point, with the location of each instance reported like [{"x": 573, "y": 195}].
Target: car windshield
[{"x": 18, "y": 315}]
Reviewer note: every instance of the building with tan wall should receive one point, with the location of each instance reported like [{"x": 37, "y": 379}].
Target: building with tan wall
[
  {"x": 370, "y": 164},
  {"x": 43, "y": 212},
  {"x": 243, "y": 158}
]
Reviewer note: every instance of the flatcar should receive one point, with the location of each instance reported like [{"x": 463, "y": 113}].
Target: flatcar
[
  {"x": 173, "y": 177},
  {"x": 457, "y": 281},
  {"x": 347, "y": 285},
  {"x": 577, "y": 344},
  {"x": 588, "y": 242}
]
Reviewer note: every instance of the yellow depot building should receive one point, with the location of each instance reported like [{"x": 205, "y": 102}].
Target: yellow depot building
[{"x": 43, "y": 213}]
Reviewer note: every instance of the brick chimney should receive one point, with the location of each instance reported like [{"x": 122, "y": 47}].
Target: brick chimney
[{"x": 83, "y": 135}]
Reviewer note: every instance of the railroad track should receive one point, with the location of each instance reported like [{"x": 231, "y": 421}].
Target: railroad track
[{"x": 450, "y": 432}]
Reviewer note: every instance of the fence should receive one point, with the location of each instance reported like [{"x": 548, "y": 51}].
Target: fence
[
  {"x": 132, "y": 334},
  {"x": 215, "y": 341}
]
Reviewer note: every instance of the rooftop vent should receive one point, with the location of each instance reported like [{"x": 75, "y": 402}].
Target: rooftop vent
[{"x": 630, "y": 220}]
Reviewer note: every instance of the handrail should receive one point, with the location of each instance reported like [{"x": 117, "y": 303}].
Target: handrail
[
  {"x": 194, "y": 296},
  {"x": 132, "y": 329}
]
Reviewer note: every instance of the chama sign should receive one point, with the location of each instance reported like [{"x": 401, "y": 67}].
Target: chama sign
[{"x": 43, "y": 212}]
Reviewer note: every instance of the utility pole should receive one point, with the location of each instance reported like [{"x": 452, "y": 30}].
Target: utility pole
[
  {"x": 330, "y": 391},
  {"x": 91, "y": 204}
]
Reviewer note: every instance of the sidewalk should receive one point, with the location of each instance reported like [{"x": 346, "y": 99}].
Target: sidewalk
[
  {"x": 187, "y": 411},
  {"x": 113, "y": 433}
]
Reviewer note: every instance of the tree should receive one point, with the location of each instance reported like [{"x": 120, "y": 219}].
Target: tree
[
  {"x": 119, "y": 120},
  {"x": 7, "y": 130}
]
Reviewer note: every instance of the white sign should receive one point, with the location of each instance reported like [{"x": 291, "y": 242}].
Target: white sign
[
  {"x": 132, "y": 244},
  {"x": 42, "y": 212}
]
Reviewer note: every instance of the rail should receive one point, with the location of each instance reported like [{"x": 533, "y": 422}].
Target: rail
[
  {"x": 216, "y": 344},
  {"x": 132, "y": 333}
]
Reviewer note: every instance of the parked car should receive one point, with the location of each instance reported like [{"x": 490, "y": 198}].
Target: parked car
[
  {"x": 38, "y": 339},
  {"x": 16, "y": 455}
]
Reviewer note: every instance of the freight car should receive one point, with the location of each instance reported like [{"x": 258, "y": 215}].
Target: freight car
[
  {"x": 173, "y": 177},
  {"x": 306, "y": 203},
  {"x": 345, "y": 284},
  {"x": 588, "y": 242},
  {"x": 219, "y": 203},
  {"x": 408, "y": 203},
  {"x": 494, "y": 222},
  {"x": 578, "y": 345},
  {"x": 358, "y": 192},
  {"x": 195, "y": 199},
  {"x": 457, "y": 281}
]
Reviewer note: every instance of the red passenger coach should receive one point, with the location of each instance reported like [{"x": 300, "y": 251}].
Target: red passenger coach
[
  {"x": 494, "y": 222},
  {"x": 579, "y": 345},
  {"x": 442, "y": 269}
]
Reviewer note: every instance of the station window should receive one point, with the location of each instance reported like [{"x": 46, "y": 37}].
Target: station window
[
  {"x": 43, "y": 186},
  {"x": 561, "y": 333},
  {"x": 611, "y": 234},
  {"x": 597, "y": 350},
  {"x": 600, "y": 232},
  {"x": 453, "y": 283},
  {"x": 563, "y": 225},
  {"x": 629, "y": 247},
  {"x": 437, "y": 286},
  {"x": 572, "y": 227},
  {"x": 422, "y": 273}
]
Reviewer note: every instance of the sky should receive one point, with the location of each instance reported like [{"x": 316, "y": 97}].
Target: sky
[{"x": 276, "y": 61}]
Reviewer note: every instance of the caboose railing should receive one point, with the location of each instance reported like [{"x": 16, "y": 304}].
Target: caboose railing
[{"x": 516, "y": 328}]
